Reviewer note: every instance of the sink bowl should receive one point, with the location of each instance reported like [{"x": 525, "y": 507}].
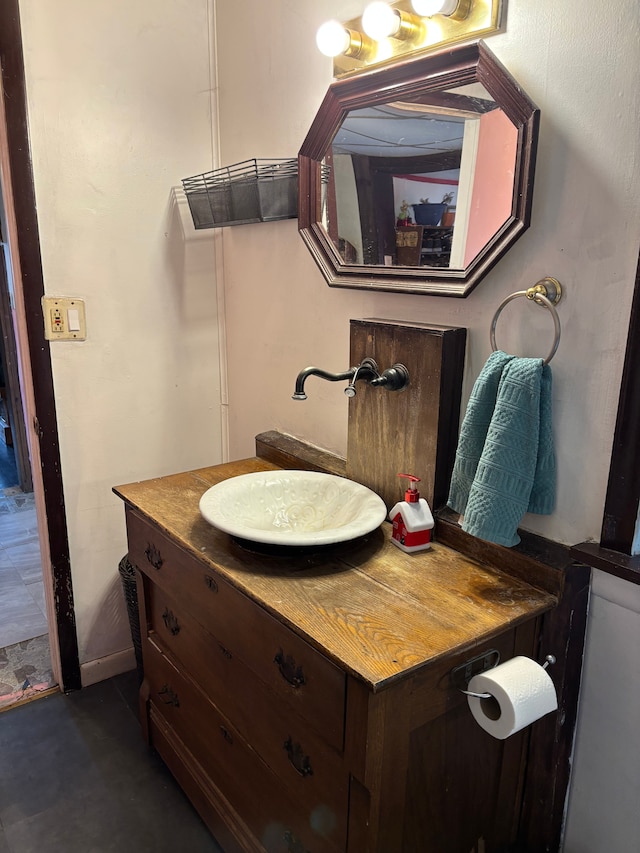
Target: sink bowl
[{"x": 294, "y": 508}]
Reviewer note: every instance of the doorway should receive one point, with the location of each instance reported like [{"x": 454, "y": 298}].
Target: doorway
[
  {"x": 25, "y": 652},
  {"x": 33, "y": 395}
]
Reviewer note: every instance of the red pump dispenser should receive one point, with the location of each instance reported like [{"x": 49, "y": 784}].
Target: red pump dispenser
[
  {"x": 412, "y": 519},
  {"x": 412, "y": 495}
]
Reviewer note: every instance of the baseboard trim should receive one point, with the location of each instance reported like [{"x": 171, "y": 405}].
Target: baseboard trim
[{"x": 93, "y": 671}]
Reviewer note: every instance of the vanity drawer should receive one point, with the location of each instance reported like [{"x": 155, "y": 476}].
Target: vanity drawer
[
  {"x": 280, "y": 822},
  {"x": 297, "y": 753},
  {"x": 295, "y": 671}
]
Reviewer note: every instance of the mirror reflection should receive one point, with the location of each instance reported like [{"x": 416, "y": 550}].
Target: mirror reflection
[{"x": 424, "y": 182}]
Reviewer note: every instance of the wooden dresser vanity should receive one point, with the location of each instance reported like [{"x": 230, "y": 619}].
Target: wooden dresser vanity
[{"x": 306, "y": 704}]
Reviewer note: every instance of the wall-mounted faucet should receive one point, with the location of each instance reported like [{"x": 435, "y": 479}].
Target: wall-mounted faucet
[{"x": 393, "y": 378}]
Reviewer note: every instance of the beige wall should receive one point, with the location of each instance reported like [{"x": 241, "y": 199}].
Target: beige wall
[{"x": 120, "y": 106}]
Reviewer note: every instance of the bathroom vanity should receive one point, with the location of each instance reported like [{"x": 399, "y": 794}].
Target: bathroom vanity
[{"x": 312, "y": 703}]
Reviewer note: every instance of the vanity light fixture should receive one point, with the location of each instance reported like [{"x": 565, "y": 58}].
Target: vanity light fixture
[
  {"x": 333, "y": 39},
  {"x": 380, "y": 21},
  {"x": 388, "y": 31},
  {"x": 456, "y": 9}
]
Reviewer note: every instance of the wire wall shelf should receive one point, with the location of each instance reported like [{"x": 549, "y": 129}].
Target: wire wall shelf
[{"x": 250, "y": 191}]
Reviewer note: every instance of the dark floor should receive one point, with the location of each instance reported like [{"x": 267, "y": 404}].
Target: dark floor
[{"x": 76, "y": 777}]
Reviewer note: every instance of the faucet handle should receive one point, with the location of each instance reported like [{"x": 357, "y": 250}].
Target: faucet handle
[
  {"x": 367, "y": 370},
  {"x": 394, "y": 378}
]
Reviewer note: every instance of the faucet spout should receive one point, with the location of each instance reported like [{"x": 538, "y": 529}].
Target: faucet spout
[{"x": 299, "y": 393}]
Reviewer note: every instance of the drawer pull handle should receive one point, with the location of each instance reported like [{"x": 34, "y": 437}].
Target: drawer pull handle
[
  {"x": 225, "y": 651},
  {"x": 170, "y": 622},
  {"x": 294, "y": 844},
  {"x": 301, "y": 762},
  {"x": 210, "y": 582},
  {"x": 288, "y": 669},
  {"x": 168, "y": 696},
  {"x": 152, "y": 554},
  {"x": 225, "y": 734}
]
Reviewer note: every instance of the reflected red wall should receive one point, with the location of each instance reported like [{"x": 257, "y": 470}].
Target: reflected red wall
[{"x": 492, "y": 194}]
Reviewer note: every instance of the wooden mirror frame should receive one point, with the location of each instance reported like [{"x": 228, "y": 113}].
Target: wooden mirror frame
[{"x": 407, "y": 79}]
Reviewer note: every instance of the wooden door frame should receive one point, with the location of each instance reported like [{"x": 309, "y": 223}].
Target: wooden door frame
[
  {"x": 623, "y": 490},
  {"x": 613, "y": 554},
  {"x": 37, "y": 390},
  {"x": 11, "y": 369}
]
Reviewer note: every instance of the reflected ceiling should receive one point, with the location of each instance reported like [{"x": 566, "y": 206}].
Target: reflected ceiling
[{"x": 393, "y": 130}]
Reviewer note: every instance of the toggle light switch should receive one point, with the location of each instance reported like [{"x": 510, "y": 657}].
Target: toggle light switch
[
  {"x": 74, "y": 319},
  {"x": 64, "y": 318}
]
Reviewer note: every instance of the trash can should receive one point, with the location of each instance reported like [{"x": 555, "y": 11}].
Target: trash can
[{"x": 128, "y": 577}]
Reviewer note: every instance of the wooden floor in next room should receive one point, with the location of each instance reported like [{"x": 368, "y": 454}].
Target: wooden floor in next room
[{"x": 25, "y": 663}]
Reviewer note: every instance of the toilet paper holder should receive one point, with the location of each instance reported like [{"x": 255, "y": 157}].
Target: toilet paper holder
[{"x": 462, "y": 675}]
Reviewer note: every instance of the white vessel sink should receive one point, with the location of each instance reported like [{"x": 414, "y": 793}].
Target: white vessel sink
[{"x": 295, "y": 508}]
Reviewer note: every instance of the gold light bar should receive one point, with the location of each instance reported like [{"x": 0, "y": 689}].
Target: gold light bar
[{"x": 472, "y": 20}]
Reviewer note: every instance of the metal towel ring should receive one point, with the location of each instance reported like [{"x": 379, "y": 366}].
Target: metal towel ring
[{"x": 546, "y": 292}]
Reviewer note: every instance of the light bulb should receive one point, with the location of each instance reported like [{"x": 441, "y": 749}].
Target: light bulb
[
  {"x": 427, "y": 8},
  {"x": 380, "y": 21},
  {"x": 332, "y": 38}
]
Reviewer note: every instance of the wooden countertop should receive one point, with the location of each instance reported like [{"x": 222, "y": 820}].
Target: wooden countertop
[{"x": 373, "y": 609}]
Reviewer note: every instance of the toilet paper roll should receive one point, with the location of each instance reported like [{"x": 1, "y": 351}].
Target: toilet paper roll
[{"x": 521, "y": 692}]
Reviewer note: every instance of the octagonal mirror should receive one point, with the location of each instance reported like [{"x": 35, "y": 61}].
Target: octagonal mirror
[{"x": 418, "y": 177}]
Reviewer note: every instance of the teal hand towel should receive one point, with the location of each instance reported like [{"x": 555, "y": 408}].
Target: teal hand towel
[
  {"x": 475, "y": 426},
  {"x": 505, "y": 462}
]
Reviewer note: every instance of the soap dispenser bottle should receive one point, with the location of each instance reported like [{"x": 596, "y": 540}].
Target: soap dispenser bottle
[{"x": 412, "y": 519}]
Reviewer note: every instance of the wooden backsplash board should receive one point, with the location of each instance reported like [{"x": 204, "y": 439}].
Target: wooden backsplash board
[{"x": 414, "y": 431}]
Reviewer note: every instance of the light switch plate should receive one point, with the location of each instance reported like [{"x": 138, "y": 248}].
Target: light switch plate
[{"x": 64, "y": 318}]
